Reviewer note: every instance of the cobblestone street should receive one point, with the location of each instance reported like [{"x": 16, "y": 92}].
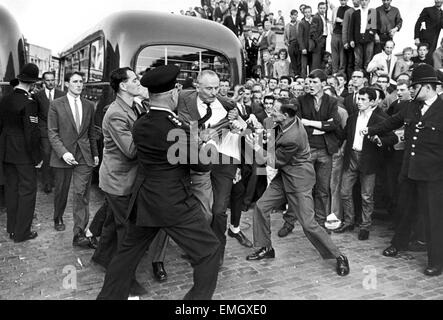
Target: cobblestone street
[{"x": 38, "y": 269}]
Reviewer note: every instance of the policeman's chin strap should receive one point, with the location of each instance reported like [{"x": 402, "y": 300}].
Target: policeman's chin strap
[{"x": 418, "y": 93}]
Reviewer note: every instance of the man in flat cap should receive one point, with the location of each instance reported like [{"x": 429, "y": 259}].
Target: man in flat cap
[
  {"x": 20, "y": 153},
  {"x": 293, "y": 183},
  {"x": 162, "y": 198},
  {"x": 421, "y": 174}
]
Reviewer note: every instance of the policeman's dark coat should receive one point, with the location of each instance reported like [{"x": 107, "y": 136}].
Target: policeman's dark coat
[{"x": 43, "y": 108}]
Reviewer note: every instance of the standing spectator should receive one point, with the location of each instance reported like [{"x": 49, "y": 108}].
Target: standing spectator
[
  {"x": 43, "y": 99},
  {"x": 268, "y": 38},
  {"x": 291, "y": 41},
  {"x": 20, "y": 153},
  {"x": 423, "y": 56},
  {"x": 224, "y": 88},
  {"x": 252, "y": 9},
  {"x": 403, "y": 64},
  {"x": 233, "y": 22},
  {"x": 266, "y": 5},
  {"x": 281, "y": 67},
  {"x": 261, "y": 18},
  {"x": 267, "y": 68},
  {"x": 305, "y": 43},
  {"x": 221, "y": 10},
  {"x": 349, "y": 51},
  {"x": 342, "y": 91},
  {"x": 271, "y": 19},
  {"x": 320, "y": 117},
  {"x": 390, "y": 23},
  {"x": 383, "y": 62},
  {"x": 363, "y": 34},
  {"x": 251, "y": 48},
  {"x": 280, "y": 18},
  {"x": 318, "y": 33},
  {"x": 338, "y": 52},
  {"x": 428, "y": 26},
  {"x": 208, "y": 12},
  {"x": 438, "y": 57},
  {"x": 362, "y": 158},
  {"x": 74, "y": 154}
]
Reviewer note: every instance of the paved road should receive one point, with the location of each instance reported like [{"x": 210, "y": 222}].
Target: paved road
[{"x": 50, "y": 268}]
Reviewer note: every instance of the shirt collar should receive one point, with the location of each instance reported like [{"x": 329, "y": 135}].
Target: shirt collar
[
  {"x": 288, "y": 125},
  {"x": 71, "y": 97},
  {"x": 367, "y": 113}
]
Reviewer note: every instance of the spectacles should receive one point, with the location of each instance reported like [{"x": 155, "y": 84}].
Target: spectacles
[{"x": 357, "y": 77}]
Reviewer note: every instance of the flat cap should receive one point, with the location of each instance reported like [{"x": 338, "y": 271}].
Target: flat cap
[{"x": 160, "y": 79}]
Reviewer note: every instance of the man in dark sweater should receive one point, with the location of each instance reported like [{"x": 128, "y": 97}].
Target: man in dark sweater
[{"x": 338, "y": 53}]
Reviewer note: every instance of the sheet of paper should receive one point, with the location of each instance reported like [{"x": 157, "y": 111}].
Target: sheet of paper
[{"x": 317, "y": 132}]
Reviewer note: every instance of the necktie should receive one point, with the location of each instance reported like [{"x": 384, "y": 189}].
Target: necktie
[
  {"x": 207, "y": 116},
  {"x": 77, "y": 115},
  {"x": 135, "y": 109},
  {"x": 355, "y": 99},
  {"x": 49, "y": 96},
  {"x": 388, "y": 63}
]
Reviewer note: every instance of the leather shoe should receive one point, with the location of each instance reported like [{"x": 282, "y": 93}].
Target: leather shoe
[
  {"x": 80, "y": 241},
  {"x": 47, "y": 188},
  {"x": 31, "y": 235},
  {"x": 390, "y": 251},
  {"x": 433, "y": 271},
  {"x": 342, "y": 266},
  {"x": 241, "y": 238},
  {"x": 59, "y": 225},
  {"x": 417, "y": 246},
  {"x": 343, "y": 228},
  {"x": 363, "y": 234},
  {"x": 136, "y": 289},
  {"x": 93, "y": 243},
  {"x": 284, "y": 231},
  {"x": 262, "y": 253},
  {"x": 11, "y": 236},
  {"x": 159, "y": 271}
]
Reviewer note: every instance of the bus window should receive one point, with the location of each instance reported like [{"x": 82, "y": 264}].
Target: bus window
[
  {"x": 84, "y": 62},
  {"x": 191, "y": 60},
  {"x": 97, "y": 54}
]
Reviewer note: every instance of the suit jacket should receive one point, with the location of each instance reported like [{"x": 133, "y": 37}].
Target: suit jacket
[
  {"x": 19, "y": 137},
  {"x": 346, "y": 25},
  {"x": 372, "y": 28},
  {"x": 268, "y": 42},
  {"x": 43, "y": 108},
  {"x": 349, "y": 105},
  {"x": 292, "y": 157},
  {"x": 316, "y": 30},
  {"x": 118, "y": 169},
  {"x": 304, "y": 35},
  {"x": 372, "y": 155},
  {"x": 237, "y": 28},
  {"x": 63, "y": 135},
  {"x": 162, "y": 193},
  {"x": 423, "y": 156},
  {"x": 432, "y": 18},
  {"x": 328, "y": 110}
]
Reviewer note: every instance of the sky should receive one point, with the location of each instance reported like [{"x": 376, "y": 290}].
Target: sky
[{"x": 55, "y": 23}]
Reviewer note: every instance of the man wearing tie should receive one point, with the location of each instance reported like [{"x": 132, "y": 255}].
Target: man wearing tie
[
  {"x": 358, "y": 82},
  {"x": 428, "y": 26},
  {"x": 43, "y": 99},
  {"x": 383, "y": 62},
  {"x": 74, "y": 154}
]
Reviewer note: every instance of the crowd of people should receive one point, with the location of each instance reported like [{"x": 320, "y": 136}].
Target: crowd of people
[{"x": 315, "y": 142}]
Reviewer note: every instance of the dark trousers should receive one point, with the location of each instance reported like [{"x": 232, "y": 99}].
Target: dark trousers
[
  {"x": 363, "y": 53},
  {"x": 338, "y": 54},
  {"x": 423, "y": 198},
  {"x": 294, "y": 55},
  {"x": 20, "y": 196},
  {"x": 192, "y": 234},
  {"x": 318, "y": 53},
  {"x": 322, "y": 162},
  {"x": 243, "y": 192},
  {"x": 81, "y": 176},
  {"x": 394, "y": 160},
  {"x": 99, "y": 219},
  {"x": 47, "y": 175},
  {"x": 350, "y": 61},
  {"x": 114, "y": 229},
  {"x": 306, "y": 64}
]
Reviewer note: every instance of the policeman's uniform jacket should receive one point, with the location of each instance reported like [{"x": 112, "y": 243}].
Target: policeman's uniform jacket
[
  {"x": 20, "y": 137},
  {"x": 162, "y": 196},
  {"x": 423, "y": 156}
]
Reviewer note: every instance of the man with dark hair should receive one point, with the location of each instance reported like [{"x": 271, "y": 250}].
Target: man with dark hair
[
  {"x": 43, "y": 99},
  {"x": 348, "y": 50},
  {"x": 390, "y": 23},
  {"x": 291, "y": 41},
  {"x": 318, "y": 33},
  {"x": 428, "y": 26},
  {"x": 358, "y": 82},
  {"x": 338, "y": 53},
  {"x": 342, "y": 91},
  {"x": 233, "y": 21},
  {"x": 20, "y": 153},
  {"x": 293, "y": 184},
  {"x": 362, "y": 158},
  {"x": 319, "y": 115},
  {"x": 424, "y": 55},
  {"x": 285, "y": 82},
  {"x": 304, "y": 41},
  {"x": 74, "y": 154}
]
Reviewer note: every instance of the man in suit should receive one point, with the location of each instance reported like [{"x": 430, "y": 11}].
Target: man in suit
[
  {"x": 211, "y": 188},
  {"x": 428, "y": 26},
  {"x": 20, "y": 153},
  {"x": 318, "y": 33},
  {"x": 362, "y": 158},
  {"x": 319, "y": 115},
  {"x": 74, "y": 155},
  {"x": 291, "y": 41},
  {"x": 304, "y": 42},
  {"x": 251, "y": 49},
  {"x": 350, "y": 101},
  {"x": 293, "y": 183},
  {"x": 348, "y": 50},
  {"x": 383, "y": 63},
  {"x": 162, "y": 197},
  {"x": 337, "y": 50},
  {"x": 267, "y": 40},
  {"x": 43, "y": 99},
  {"x": 422, "y": 177},
  {"x": 363, "y": 33},
  {"x": 233, "y": 22}
]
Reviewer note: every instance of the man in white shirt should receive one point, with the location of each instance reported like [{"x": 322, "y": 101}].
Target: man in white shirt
[{"x": 383, "y": 62}]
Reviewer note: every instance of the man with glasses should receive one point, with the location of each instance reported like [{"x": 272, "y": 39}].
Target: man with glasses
[
  {"x": 358, "y": 82},
  {"x": 43, "y": 99}
]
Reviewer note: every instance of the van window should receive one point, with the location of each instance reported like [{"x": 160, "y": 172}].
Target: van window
[
  {"x": 191, "y": 60},
  {"x": 97, "y": 61},
  {"x": 84, "y": 62}
]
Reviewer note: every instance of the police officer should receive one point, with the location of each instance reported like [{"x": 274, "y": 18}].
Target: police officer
[
  {"x": 20, "y": 154},
  {"x": 162, "y": 196},
  {"x": 422, "y": 168}
]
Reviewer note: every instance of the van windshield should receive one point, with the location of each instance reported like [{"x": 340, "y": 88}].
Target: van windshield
[{"x": 191, "y": 60}]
